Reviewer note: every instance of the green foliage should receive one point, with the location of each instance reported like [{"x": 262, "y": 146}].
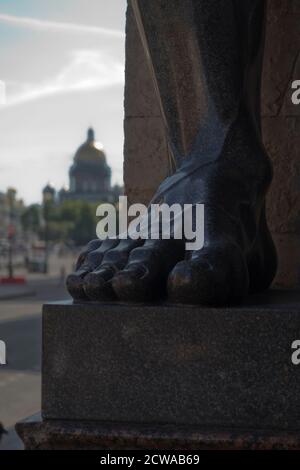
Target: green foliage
[
  {"x": 31, "y": 218},
  {"x": 85, "y": 225},
  {"x": 70, "y": 221}
]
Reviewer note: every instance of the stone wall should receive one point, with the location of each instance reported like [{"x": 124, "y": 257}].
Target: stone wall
[
  {"x": 281, "y": 127},
  {"x": 146, "y": 150}
]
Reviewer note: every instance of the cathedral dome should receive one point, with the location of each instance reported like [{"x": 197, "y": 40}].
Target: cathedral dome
[
  {"x": 90, "y": 152},
  {"x": 90, "y": 175}
]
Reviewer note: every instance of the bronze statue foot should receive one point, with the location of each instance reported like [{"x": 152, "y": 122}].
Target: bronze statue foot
[{"x": 238, "y": 256}]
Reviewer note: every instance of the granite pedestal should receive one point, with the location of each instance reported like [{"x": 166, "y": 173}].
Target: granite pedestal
[{"x": 135, "y": 376}]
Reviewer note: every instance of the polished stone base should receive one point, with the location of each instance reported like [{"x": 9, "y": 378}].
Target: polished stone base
[
  {"x": 187, "y": 377},
  {"x": 174, "y": 365},
  {"x": 71, "y": 435}
]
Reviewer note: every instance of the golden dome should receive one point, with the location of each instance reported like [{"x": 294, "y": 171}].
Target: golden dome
[{"x": 90, "y": 151}]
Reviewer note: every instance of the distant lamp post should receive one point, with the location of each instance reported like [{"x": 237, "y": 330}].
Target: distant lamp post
[
  {"x": 10, "y": 236},
  {"x": 48, "y": 200},
  {"x": 46, "y": 234},
  {"x": 11, "y": 230}
]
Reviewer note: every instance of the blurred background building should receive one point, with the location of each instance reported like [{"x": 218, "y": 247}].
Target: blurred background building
[
  {"x": 11, "y": 209},
  {"x": 89, "y": 176},
  {"x": 65, "y": 220}
]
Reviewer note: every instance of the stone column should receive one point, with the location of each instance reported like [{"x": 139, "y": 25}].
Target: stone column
[
  {"x": 281, "y": 126},
  {"x": 146, "y": 151},
  {"x": 145, "y": 147}
]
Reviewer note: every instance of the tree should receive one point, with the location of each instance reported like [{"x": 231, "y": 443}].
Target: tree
[
  {"x": 31, "y": 218},
  {"x": 85, "y": 226},
  {"x": 70, "y": 221}
]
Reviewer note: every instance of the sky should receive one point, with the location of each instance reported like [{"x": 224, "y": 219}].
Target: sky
[{"x": 62, "y": 63}]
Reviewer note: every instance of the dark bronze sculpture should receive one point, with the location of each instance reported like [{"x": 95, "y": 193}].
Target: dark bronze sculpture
[{"x": 206, "y": 59}]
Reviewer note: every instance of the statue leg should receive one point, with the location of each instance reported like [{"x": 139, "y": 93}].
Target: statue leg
[{"x": 206, "y": 60}]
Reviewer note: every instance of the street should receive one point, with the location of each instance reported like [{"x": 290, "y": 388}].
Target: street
[{"x": 20, "y": 329}]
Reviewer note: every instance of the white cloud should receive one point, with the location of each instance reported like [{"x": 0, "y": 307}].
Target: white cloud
[
  {"x": 52, "y": 26},
  {"x": 86, "y": 70}
]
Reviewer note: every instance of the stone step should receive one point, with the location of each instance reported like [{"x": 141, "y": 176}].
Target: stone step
[
  {"x": 172, "y": 365},
  {"x": 93, "y": 435}
]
